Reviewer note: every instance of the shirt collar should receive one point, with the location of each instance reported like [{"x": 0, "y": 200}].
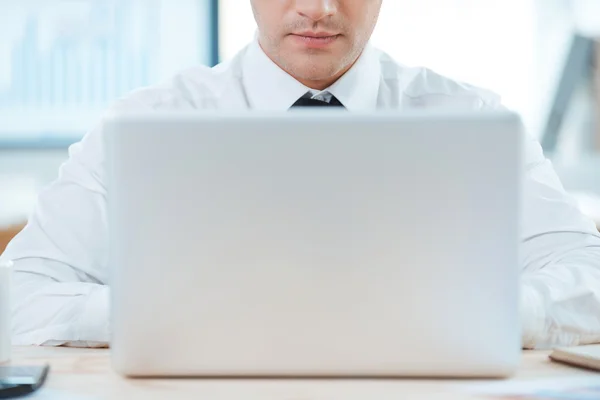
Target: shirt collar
[{"x": 270, "y": 88}]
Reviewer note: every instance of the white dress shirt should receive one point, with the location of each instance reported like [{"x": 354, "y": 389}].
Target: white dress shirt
[{"x": 61, "y": 284}]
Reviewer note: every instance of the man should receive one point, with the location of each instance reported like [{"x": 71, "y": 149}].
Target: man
[{"x": 307, "y": 52}]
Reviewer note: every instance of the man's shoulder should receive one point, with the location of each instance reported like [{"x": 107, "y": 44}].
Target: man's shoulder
[
  {"x": 195, "y": 88},
  {"x": 198, "y": 87},
  {"x": 423, "y": 87}
]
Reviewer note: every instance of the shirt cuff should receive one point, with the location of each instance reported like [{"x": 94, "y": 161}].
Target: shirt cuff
[
  {"x": 533, "y": 316},
  {"x": 94, "y": 322}
]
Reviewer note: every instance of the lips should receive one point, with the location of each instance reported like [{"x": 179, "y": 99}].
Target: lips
[
  {"x": 315, "y": 39},
  {"x": 311, "y": 34}
]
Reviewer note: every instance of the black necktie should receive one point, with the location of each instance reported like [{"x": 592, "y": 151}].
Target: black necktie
[{"x": 305, "y": 101}]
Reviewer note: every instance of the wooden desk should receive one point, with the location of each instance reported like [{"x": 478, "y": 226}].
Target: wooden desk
[
  {"x": 86, "y": 374},
  {"x": 6, "y": 235}
]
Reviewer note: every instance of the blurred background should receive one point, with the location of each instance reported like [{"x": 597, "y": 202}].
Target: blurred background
[{"x": 63, "y": 61}]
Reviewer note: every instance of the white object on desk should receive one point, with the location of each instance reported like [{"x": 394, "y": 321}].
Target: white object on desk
[
  {"x": 541, "y": 388},
  {"x": 582, "y": 356},
  {"x": 5, "y": 345}
]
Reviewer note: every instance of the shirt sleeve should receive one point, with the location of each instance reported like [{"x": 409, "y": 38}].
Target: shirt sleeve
[
  {"x": 58, "y": 313},
  {"x": 560, "y": 259},
  {"x": 60, "y": 257},
  {"x": 560, "y": 288},
  {"x": 60, "y": 293}
]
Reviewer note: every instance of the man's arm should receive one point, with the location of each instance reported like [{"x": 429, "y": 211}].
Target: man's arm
[
  {"x": 60, "y": 257},
  {"x": 560, "y": 299},
  {"x": 60, "y": 293},
  {"x": 55, "y": 313}
]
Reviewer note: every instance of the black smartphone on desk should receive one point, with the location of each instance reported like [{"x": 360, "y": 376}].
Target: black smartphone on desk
[{"x": 17, "y": 381}]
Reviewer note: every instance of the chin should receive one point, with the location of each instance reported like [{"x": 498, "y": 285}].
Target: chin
[
  {"x": 313, "y": 76},
  {"x": 314, "y": 71}
]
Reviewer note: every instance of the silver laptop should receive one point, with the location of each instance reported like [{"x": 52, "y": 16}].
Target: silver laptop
[{"x": 315, "y": 244}]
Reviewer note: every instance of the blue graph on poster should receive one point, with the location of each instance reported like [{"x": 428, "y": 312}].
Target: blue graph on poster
[
  {"x": 62, "y": 62},
  {"x": 81, "y": 70}
]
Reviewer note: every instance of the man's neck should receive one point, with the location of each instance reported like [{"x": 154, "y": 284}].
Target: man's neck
[{"x": 321, "y": 84}]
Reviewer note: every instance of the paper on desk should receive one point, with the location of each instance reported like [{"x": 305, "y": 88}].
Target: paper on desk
[
  {"x": 583, "y": 388},
  {"x": 52, "y": 394}
]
